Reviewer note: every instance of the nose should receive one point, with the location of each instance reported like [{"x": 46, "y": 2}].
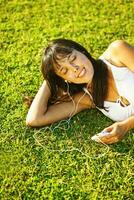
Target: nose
[{"x": 75, "y": 67}]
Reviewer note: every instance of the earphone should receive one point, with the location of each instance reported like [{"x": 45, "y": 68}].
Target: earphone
[{"x": 51, "y": 128}]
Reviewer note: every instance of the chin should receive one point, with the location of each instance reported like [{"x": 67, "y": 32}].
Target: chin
[{"x": 87, "y": 80}]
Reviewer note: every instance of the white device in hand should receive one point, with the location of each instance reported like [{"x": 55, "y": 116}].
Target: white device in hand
[{"x": 101, "y": 134}]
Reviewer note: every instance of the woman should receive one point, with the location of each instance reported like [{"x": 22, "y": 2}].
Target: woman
[{"x": 74, "y": 81}]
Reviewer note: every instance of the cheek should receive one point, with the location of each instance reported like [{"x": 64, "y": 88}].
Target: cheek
[
  {"x": 70, "y": 75},
  {"x": 91, "y": 71}
]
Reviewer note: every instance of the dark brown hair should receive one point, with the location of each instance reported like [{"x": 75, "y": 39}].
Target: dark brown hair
[{"x": 64, "y": 47}]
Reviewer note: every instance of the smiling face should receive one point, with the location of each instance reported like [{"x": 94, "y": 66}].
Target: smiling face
[{"x": 75, "y": 68}]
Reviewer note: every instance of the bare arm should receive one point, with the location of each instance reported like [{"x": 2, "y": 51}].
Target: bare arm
[
  {"x": 40, "y": 114},
  {"x": 121, "y": 54},
  {"x": 128, "y": 123},
  {"x": 39, "y": 104}
]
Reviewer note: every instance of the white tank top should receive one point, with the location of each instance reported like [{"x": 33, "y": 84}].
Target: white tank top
[{"x": 124, "y": 80}]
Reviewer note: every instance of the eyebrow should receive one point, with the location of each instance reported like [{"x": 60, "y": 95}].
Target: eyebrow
[{"x": 57, "y": 66}]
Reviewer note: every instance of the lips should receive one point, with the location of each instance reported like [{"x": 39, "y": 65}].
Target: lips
[{"x": 82, "y": 72}]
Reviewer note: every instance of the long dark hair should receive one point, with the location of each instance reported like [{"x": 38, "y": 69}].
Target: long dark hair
[{"x": 64, "y": 47}]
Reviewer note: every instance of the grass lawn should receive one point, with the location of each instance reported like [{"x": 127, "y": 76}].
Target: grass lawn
[{"x": 58, "y": 163}]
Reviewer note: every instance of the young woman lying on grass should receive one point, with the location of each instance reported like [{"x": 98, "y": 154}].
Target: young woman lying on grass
[{"x": 73, "y": 78}]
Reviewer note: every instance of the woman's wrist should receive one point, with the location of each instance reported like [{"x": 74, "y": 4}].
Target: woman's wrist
[{"x": 128, "y": 124}]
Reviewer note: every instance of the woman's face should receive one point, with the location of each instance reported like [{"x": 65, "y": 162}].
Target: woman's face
[{"x": 75, "y": 68}]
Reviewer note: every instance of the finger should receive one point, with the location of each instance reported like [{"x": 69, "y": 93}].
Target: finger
[
  {"x": 102, "y": 139},
  {"x": 112, "y": 141},
  {"x": 109, "y": 140}
]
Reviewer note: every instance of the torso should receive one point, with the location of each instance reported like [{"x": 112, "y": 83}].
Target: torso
[
  {"x": 120, "y": 98},
  {"x": 112, "y": 89},
  {"x": 112, "y": 94}
]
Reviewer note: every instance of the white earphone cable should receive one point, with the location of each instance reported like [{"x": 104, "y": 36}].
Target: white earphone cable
[{"x": 51, "y": 129}]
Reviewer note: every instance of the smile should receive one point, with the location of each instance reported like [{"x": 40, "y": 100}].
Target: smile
[{"x": 82, "y": 73}]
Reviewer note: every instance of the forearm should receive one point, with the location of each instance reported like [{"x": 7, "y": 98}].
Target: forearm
[
  {"x": 53, "y": 113},
  {"x": 128, "y": 123},
  {"x": 39, "y": 104}
]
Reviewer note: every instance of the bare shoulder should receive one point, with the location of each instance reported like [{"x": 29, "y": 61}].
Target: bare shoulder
[{"x": 115, "y": 51}]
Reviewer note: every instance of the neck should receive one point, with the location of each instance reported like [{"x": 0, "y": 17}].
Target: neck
[{"x": 89, "y": 87}]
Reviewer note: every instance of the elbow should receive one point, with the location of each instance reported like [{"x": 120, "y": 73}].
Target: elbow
[
  {"x": 30, "y": 122},
  {"x": 35, "y": 122}
]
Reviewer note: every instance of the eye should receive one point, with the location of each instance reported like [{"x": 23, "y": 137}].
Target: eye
[
  {"x": 72, "y": 58},
  {"x": 63, "y": 70}
]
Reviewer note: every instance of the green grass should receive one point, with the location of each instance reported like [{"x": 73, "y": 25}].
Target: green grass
[{"x": 59, "y": 164}]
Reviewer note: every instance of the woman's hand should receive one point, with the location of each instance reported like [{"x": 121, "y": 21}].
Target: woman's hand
[{"x": 116, "y": 133}]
